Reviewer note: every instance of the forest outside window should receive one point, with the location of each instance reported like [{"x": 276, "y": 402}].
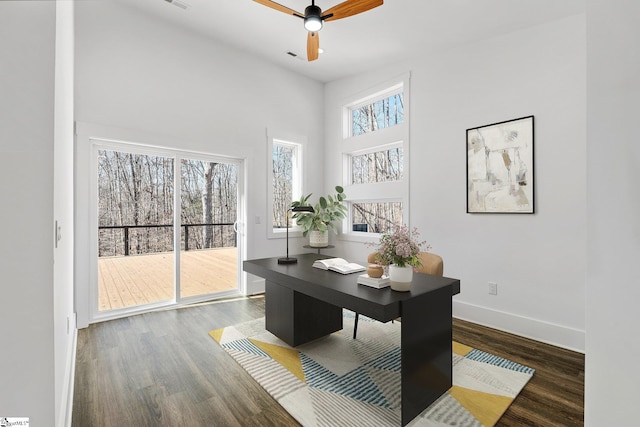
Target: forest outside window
[
  {"x": 373, "y": 115},
  {"x": 379, "y": 166},
  {"x": 375, "y": 165},
  {"x": 163, "y": 216},
  {"x": 285, "y": 183}
]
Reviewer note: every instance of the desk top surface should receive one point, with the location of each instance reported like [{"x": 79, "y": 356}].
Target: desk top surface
[{"x": 343, "y": 289}]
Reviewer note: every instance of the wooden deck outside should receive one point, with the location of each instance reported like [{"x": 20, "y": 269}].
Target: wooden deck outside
[{"x": 142, "y": 279}]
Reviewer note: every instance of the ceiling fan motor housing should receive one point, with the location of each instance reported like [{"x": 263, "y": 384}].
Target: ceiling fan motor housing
[{"x": 312, "y": 18}]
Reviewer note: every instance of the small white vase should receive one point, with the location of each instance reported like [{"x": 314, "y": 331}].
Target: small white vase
[
  {"x": 318, "y": 239},
  {"x": 400, "y": 277}
]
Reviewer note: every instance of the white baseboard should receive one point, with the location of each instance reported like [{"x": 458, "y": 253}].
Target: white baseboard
[
  {"x": 255, "y": 285},
  {"x": 549, "y": 333}
]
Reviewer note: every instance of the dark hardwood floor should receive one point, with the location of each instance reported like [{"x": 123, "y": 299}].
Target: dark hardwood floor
[
  {"x": 163, "y": 369},
  {"x": 555, "y": 394}
]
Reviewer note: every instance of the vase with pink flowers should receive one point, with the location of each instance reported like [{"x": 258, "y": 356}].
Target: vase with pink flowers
[{"x": 399, "y": 250}]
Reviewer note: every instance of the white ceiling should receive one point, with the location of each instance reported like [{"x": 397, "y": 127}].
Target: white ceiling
[{"x": 395, "y": 31}]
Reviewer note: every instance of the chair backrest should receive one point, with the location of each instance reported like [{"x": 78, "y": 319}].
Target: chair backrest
[{"x": 431, "y": 263}]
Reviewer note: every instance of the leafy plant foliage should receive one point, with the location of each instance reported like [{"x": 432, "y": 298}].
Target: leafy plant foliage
[{"x": 327, "y": 211}]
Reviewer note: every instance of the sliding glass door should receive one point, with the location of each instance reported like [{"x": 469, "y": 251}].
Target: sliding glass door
[
  {"x": 208, "y": 212},
  {"x": 135, "y": 229},
  {"x": 167, "y": 228}
]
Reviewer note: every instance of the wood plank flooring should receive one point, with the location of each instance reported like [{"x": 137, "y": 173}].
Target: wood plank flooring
[
  {"x": 142, "y": 279},
  {"x": 555, "y": 394},
  {"x": 162, "y": 369}
]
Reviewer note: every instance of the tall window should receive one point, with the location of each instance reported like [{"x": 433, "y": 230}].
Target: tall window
[
  {"x": 376, "y": 136},
  {"x": 285, "y": 183}
]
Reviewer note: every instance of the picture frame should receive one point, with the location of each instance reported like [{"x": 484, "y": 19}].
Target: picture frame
[{"x": 500, "y": 167}]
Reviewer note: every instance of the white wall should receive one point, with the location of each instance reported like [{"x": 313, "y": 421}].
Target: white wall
[
  {"x": 613, "y": 220},
  {"x": 537, "y": 260},
  {"x": 64, "y": 317},
  {"x": 27, "y": 35},
  {"x": 138, "y": 73}
]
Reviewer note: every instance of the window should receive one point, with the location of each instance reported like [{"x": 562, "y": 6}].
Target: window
[
  {"x": 375, "y": 165},
  {"x": 379, "y": 114},
  {"x": 375, "y": 217},
  {"x": 379, "y": 166},
  {"x": 285, "y": 183}
]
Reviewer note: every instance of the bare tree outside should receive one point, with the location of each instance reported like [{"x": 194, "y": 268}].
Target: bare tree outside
[
  {"x": 381, "y": 166},
  {"x": 136, "y": 232},
  {"x": 135, "y": 203},
  {"x": 380, "y": 114},
  {"x": 282, "y": 183},
  {"x": 376, "y": 217},
  {"x": 385, "y": 165},
  {"x": 209, "y": 204},
  {"x": 134, "y": 191}
]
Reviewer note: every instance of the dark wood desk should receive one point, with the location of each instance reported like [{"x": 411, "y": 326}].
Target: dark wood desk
[{"x": 303, "y": 303}]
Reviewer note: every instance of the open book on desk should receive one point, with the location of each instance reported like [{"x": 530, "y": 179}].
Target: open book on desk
[{"x": 338, "y": 265}]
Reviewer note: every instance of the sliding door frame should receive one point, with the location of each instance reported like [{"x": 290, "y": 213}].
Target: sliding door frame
[
  {"x": 99, "y": 143},
  {"x": 178, "y": 226}
]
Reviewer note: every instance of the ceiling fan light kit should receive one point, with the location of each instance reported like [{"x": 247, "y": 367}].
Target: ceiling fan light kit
[{"x": 313, "y": 17}]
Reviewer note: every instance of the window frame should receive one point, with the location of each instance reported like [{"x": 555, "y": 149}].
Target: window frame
[
  {"x": 379, "y": 140},
  {"x": 348, "y": 165},
  {"x": 372, "y": 98},
  {"x": 297, "y": 143}
]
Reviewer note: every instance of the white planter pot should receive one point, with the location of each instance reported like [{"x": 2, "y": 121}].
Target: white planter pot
[
  {"x": 400, "y": 277},
  {"x": 318, "y": 239}
]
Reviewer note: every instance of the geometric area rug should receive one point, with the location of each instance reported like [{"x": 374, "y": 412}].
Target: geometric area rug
[{"x": 339, "y": 381}]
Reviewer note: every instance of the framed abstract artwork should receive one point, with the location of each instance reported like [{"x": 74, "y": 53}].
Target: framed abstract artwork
[{"x": 500, "y": 167}]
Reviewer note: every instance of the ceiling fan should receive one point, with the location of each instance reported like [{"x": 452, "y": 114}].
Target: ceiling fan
[{"x": 314, "y": 17}]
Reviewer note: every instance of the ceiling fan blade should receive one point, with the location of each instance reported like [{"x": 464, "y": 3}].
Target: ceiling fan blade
[
  {"x": 350, "y": 8},
  {"x": 313, "y": 45},
  {"x": 281, "y": 8}
]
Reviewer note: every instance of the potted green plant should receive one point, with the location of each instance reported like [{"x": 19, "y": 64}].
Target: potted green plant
[{"x": 317, "y": 224}]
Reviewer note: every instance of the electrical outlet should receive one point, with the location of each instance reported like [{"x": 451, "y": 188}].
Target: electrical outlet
[{"x": 493, "y": 288}]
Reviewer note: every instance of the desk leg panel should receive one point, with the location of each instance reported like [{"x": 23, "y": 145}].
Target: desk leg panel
[
  {"x": 426, "y": 351},
  {"x": 314, "y": 319},
  {"x": 278, "y": 311},
  {"x": 296, "y": 318}
]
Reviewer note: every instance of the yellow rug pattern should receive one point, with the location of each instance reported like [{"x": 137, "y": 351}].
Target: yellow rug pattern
[{"x": 341, "y": 381}]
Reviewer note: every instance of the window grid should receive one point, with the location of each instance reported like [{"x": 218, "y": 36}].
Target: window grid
[{"x": 375, "y": 170}]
